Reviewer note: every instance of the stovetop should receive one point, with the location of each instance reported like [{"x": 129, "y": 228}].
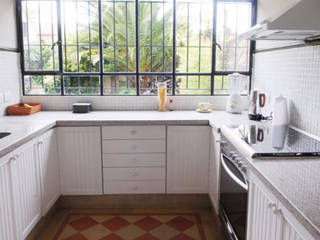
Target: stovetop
[{"x": 277, "y": 141}]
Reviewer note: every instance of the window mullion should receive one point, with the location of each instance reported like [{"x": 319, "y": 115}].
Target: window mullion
[
  {"x": 214, "y": 49},
  {"x": 60, "y": 45},
  {"x": 137, "y": 47},
  {"x": 101, "y": 48},
  {"x": 174, "y": 48}
]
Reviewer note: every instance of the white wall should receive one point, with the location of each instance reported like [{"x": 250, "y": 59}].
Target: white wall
[
  {"x": 9, "y": 61},
  {"x": 8, "y": 28}
]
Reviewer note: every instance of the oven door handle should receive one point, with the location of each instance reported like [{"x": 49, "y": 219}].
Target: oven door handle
[{"x": 230, "y": 173}]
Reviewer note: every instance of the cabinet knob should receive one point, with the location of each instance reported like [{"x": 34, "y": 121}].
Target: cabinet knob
[
  {"x": 135, "y": 174},
  {"x": 133, "y": 132},
  {"x": 134, "y": 147},
  {"x": 271, "y": 205}
]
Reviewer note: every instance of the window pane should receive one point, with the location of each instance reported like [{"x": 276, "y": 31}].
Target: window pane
[
  {"x": 194, "y": 36},
  {"x": 193, "y": 85},
  {"x": 232, "y": 19},
  {"x": 80, "y": 28},
  {"x": 42, "y": 84},
  {"x": 119, "y": 35},
  {"x": 119, "y": 85},
  {"x": 148, "y": 84},
  {"x": 155, "y": 35},
  {"x": 81, "y": 85},
  {"x": 39, "y": 23},
  {"x": 221, "y": 85}
]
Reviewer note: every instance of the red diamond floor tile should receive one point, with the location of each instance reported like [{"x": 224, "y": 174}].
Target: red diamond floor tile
[
  {"x": 112, "y": 236},
  {"x": 115, "y": 223},
  {"x": 77, "y": 236},
  {"x": 147, "y": 236},
  {"x": 182, "y": 236},
  {"x": 180, "y": 223},
  {"x": 83, "y": 223},
  {"x": 148, "y": 223}
]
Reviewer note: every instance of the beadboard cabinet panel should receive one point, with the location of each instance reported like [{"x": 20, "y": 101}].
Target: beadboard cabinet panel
[
  {"x": 80, "y": 160},
  {"x": 214, "y": 169},
  {"x": 7, "y": 224},
  {"x": 26, "y": 190},
  {"x": 188, "y": 159},
  {"x": 49, "y": 169}
]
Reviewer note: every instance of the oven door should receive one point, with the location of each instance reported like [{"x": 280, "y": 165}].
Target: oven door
[{"x": 233, "y": 199}]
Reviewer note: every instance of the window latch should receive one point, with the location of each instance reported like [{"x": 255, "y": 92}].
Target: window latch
[
  {"x": 218, "y": 45},
  {"x": 55, "y": 44}
]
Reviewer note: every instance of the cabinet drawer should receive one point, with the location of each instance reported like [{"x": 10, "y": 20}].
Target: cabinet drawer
[
  {"x": 147, "y": 173},
  {"x": 126, "y": 187},
  {"x": 133, "y": 132},
  {"x": 134, "y": 146},
  {"x": 134, "y": 160}
]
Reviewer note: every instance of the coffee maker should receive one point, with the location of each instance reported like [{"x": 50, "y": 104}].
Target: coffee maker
[{"x": 257, "y": 102}]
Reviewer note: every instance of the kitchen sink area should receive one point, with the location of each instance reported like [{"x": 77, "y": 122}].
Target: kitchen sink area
[{"x": 4, "y": 134}]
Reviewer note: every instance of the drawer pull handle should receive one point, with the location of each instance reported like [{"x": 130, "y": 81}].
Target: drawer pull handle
[
  {"x": 134, "y": 147},
  {"x": 271, "y": 205},
  {"x": 135, "y": 174},
  {"x": 133, "y": 132}
]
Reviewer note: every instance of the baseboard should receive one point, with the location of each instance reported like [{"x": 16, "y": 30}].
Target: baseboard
[
  {"x": 43, "y": 221},
  {"x": 137, "y": 201}
]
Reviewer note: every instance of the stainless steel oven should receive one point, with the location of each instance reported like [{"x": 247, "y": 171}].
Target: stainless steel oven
[{"x": 233, "y": 192}]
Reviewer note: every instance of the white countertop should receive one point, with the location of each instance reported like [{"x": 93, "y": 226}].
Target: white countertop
[{"x": 23, "y": 128}]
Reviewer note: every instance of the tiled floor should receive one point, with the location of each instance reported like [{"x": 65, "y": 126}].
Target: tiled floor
[{"x": 101, "y": 224}]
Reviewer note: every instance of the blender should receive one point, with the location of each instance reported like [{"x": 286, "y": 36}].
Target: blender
[{"x": 236, "y": 85}]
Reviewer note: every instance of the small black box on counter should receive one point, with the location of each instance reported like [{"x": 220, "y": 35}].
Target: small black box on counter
[{"x": 81, "y": 107}]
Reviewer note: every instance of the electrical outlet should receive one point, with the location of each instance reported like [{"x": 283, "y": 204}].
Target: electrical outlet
[{"x": 7, "y": 97}]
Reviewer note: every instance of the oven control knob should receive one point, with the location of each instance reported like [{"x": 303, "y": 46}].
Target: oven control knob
[
  {"x": 244, "y": 168},
  {"x": 235, "y": 156},
  {"x": 237, "y": 160}
]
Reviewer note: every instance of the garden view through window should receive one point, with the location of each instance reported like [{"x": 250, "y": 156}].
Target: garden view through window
[{"x": 124, "y": 47}]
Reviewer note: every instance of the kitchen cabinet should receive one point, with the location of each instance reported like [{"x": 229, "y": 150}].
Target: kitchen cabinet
[
  {"x": 7, "y": 224},
  {"x": 134, "y": 159},
  {"x": 49, "y": 169},
  {"x": 214, "y": 169},
  {"x": 268, "y": 218},
  {"x": 26, "y": 188},
  {"x": 188, "y": 159},
  {"x": 80, "y": 160}
]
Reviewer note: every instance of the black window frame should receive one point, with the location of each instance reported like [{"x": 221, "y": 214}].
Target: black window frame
[{"x": 137, "y": 73}]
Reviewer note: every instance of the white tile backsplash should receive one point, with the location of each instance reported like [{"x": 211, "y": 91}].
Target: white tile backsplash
[
  {"x": 294, "y": 73},
  {"x": 124, "y": 103},
  {"x": 9, "y": 80}
]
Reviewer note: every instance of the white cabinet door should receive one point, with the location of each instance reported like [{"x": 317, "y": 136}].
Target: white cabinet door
[
  {"x": 26, "y": 188},
  {"x": 80, "y": 160},
  {"x": 214, "y": 170},
  {"x": 49, "y": 169},
  {"x": 188, "y": 159},
  {"x": 268, "y": 218},
  {"x": 7, "y": 224},
  {"x": 263, "y": 222}
]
